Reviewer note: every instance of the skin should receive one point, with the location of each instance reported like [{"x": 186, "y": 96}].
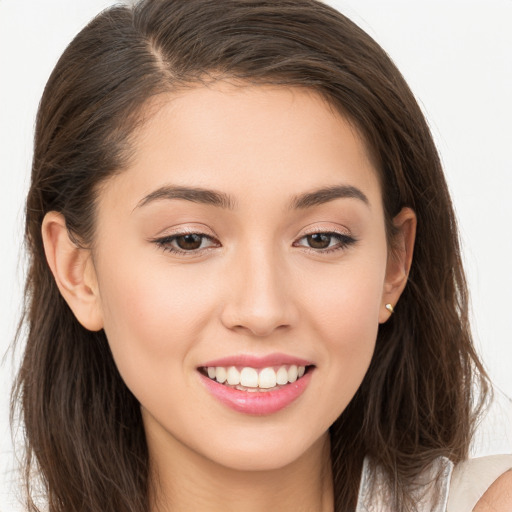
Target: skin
[
  {"x": 256, "y": 286},
  {"x": 498, "y": 498}
]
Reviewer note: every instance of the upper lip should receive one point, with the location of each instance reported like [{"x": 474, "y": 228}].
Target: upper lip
[{"x": 253, "y": 361}]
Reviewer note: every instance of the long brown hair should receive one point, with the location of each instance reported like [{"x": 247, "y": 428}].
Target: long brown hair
[{"x": 83, "y": 427}]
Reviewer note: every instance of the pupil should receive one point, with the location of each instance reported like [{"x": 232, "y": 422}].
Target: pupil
[
  {"x": 319, "y": 240},
  {"x": 189, "y": 242}
]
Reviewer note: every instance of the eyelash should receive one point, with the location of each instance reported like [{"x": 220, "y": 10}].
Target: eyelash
[{"x": 344, "y": 241}]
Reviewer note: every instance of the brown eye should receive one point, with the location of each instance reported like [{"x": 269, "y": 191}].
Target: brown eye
[
  {"x": 189, "y": 242},
  {"x": 319, "y": 240},
  {"x": 325, "y": 242}
]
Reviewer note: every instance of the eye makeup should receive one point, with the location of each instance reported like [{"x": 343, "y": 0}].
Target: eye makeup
[{"x": 191, "y": 243}]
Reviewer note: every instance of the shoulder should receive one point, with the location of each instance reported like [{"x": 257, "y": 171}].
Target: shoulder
[
  {"x": 482, "y": 485},
  {"x": 498, "y": 498}
]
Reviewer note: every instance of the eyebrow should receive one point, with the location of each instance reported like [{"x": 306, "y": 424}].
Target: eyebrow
[
  {"x": 225, "y": 201},
  {"x": 194, "y": 194},
  {"x": 327, "y": 194}
]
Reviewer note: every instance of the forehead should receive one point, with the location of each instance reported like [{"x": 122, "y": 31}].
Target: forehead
[{"x": 275, "y": 141}]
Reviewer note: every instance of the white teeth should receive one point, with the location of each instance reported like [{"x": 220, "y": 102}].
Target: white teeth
[
  {"x": 267, "y": 378},
  {"x": 250, "y": 390},
  {"x": 220, "y": 374},
  {"x": 282, "y": 376},
  {"x": 292, "y": 373},
  {"x": 249, "y": 378},
  {"x": 233, "y": 376}
]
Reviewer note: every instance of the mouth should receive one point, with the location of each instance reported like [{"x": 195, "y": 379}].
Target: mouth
[
  {"x": 249, "y": 379},
  {"x": 257, "y": 386}
]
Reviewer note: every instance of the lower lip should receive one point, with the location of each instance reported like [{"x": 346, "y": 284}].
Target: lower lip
[{"x": 258, "y": 402}]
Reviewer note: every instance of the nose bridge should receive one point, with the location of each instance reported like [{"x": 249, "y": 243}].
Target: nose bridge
[{"x": 258, "y": 299}]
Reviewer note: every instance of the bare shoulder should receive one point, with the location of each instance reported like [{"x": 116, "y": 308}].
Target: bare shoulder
[{"x": 498, "y": 498}]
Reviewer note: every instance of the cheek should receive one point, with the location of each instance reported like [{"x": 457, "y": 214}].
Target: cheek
[
  {"x": 346, "y": 301},
  {"x": 346, "y": 313},
  {"x": 151, "y": 318}
]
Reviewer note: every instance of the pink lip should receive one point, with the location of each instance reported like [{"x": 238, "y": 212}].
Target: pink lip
[
  {"x": 257, "y": 402},
  {"x": 258, "y": 361}
]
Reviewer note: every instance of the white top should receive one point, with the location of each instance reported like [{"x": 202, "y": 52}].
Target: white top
[{"x": 442, "y": 487}]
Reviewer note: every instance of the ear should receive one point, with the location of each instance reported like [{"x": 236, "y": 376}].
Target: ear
[
  {"x": 399, "y": 260},
  {"x": 73, "y": 270}
]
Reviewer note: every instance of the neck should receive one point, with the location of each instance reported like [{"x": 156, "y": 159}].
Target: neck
[{"x": 187, "y": 481}]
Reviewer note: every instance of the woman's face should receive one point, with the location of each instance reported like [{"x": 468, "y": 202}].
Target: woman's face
[{"x": 245, "y": 240}]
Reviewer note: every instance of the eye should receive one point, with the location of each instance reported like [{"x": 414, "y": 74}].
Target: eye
[
  {"x": 325, "y": 242},
  {"x": 190, "y": 244},
  {"x": 186, "y": 243}
]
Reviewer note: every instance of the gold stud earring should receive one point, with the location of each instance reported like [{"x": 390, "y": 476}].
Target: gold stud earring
[{"x": 390, "y": 308}]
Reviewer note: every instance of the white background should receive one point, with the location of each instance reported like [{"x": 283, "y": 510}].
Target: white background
[{"x": 456, "y": 56}]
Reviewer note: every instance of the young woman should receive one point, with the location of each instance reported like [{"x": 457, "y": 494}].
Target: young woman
[{"x": 245, "y": 289}]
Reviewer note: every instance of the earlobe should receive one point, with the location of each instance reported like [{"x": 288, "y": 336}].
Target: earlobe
[
  {"x": 399, "y": 261},
  {"x": 73, "y": 271}
]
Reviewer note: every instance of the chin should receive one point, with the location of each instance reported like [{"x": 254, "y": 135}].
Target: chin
[{"x": 266, "y": 452}]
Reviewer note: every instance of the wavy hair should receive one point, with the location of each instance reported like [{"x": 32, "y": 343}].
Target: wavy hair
[{"x": 83, "y": 429}]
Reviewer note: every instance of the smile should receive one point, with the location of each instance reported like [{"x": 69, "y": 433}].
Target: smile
[
  {"x": 253, "y": 379},
  {"x": 258, "y": 389}
]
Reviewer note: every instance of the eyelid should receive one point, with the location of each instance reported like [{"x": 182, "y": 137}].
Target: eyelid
[
  {"x": 164, "y": 241},
  {"x": 199, "y": 229},
  {"x": 324, "y": 229},
  {"x": 344, "y": 237}
]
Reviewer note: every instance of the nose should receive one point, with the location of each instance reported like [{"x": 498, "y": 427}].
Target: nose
[{"x": 259, "y": 295}]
